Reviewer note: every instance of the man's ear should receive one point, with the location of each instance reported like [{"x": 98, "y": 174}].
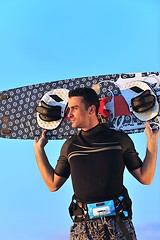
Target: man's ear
[{"x": 92, "y": 109}]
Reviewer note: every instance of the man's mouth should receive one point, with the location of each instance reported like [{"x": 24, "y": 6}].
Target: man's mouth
[{"x": 71, "y": 119}]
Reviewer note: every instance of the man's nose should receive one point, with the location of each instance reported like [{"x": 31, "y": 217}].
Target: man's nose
[{"x": 70, "y": 113}]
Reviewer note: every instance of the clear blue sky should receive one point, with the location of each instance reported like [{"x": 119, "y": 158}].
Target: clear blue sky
[{"x": 50, "y": 40}]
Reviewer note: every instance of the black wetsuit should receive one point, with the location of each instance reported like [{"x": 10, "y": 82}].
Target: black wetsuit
[{"x": 96, "y": 160}]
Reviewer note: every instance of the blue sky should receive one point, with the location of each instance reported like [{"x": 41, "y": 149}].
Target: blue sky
[{"x": 50, "y": 40}]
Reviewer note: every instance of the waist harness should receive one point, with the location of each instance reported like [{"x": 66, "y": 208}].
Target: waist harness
[{"x": 118, "y": 208}]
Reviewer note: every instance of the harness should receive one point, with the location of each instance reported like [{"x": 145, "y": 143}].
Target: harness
[{"x": 118, "y": 208}]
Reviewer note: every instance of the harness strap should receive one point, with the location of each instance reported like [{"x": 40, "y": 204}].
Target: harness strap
[
  {"x": 121, "y": 208},
  {"x": 123, "y": 227}
]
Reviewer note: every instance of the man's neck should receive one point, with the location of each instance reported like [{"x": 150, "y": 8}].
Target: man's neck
[{"x": 90, "y": 126}]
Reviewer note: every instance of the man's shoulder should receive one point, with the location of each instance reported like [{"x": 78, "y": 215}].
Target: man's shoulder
[
  {"x": 70, "y": 140},
  {"x": 109, "y": 130},
  {"x": 108, "y": 127}
]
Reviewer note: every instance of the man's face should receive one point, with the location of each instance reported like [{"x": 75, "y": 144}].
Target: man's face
[{"x": 78, "y": 113}]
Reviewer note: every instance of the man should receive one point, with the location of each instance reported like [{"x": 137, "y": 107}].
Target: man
[{"x": 95, "y": 159}]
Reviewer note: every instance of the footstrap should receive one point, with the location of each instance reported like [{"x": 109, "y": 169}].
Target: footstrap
[
  {"x": 143, "y": 102},
  {"x": 49, "y": 113}
]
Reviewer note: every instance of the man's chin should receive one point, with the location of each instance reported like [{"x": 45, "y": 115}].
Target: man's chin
[{"x": 74, "y": 125}]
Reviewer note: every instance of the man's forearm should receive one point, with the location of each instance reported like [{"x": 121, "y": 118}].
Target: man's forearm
[
  {"x": 145, "y": 173},
  {"x": 149, "y": 163},
  {"x": 44, "y": 166}
]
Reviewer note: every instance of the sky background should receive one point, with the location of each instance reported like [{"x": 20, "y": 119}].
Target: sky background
[{"x": 42, "y": 41}]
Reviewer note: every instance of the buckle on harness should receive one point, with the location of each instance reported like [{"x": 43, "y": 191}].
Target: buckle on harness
[{"x": 101, "y": 209}]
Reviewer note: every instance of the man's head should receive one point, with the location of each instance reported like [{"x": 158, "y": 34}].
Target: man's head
[
  {"x": 83, "y": 105},
  {"x": 89, "y": 97}
]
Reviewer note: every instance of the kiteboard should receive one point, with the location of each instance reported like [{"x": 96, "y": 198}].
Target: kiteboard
[{"x": 126, "y": 102}]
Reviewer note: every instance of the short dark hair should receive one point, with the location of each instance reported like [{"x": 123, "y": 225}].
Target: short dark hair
[{"x": 90, "y": 97}]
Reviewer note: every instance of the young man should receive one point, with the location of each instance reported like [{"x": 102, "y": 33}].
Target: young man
[{"x": 95, "y": 159}]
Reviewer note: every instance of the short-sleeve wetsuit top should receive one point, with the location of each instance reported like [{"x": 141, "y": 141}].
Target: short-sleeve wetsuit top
[{"x": 96, "y": 159}]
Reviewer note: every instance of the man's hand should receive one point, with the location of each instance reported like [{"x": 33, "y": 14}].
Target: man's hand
[
  {"x": 42, "y": 141},
  {"x": 53, "y": 181},
  {"x": 152, "y": 135}
]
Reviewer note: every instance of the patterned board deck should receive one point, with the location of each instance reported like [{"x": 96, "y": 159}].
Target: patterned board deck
[{"x": 18, "y": 118}]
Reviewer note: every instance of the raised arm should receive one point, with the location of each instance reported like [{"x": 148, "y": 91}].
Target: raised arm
[
  {"x": 53, "y": 181},
  {"x": 145, "y": 173}
]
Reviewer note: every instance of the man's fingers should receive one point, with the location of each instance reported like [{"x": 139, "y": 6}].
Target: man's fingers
[
  {"x": 44, "y": 132},
  {"x": 148, "y": 126}
]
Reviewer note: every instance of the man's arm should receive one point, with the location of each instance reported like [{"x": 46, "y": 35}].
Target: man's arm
[
  {"x": 53, "y": 181},
  {"x": 145, "y": 173}
]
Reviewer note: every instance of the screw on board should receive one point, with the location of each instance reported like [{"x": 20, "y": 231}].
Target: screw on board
[
  {"x": 5, "y": 131},
  {"x": 3, "y": 96}
]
